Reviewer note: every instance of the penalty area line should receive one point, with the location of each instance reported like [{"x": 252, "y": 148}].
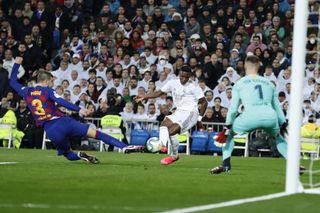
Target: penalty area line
[{"x": 228, "y": 203}]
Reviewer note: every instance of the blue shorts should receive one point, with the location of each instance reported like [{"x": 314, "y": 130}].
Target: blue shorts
[{"x": 61, "y": 129}]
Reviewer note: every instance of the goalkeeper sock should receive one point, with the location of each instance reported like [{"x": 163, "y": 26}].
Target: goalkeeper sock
[
  {"x": 226, "y": 163},
  {"x": 282, "y": 146},
  {"x": 228, "y": 148},
  {"x": 71, "y": 156},
  {"x": 109, "y": 140},
  {"x": 175, "y": 146},
  {"x": 164, "y": 135}
]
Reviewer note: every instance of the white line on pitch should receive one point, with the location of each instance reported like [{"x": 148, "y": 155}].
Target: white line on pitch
[
  {"x": 6, "y": 163},
  {"x": 77, "y": 207},
  {"x": 228, "y": 203}
]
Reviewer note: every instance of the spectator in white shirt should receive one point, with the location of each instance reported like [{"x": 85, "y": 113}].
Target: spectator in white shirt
[
  {"x": 76, "y": 44},
  {"x": 61, "y": 74},
  {"x": 162, "y": 63},
  {"x": 125, "y": 80},
  {"x": 282, "y": 98},
  {"x": 151, "y": 59},
  {"x": 268, "y": 73},
  {"x": 126, "y": 62},
  {"x": 127, "y": 114},
  {"x": 315, "y": 102},
  {"x": 232, "y": 74},
  {"x": 116, "y": 84},
  {"x": 219, "y": 90},
  {"x": 76, "y": 63},
  {"x": 83, "y": 85},
  {"x": 8, "y": 63},
  {"x": 152, "y": 114},
  {"x": 209, "y": 98},
  {"x": 84, "y": 71},
  {"x": 143, "y": 65},
  {"x": 145, "y": 81},
  {"x": 203, "y": 86},
  {"x": 92, "y": 76},
  {"x": 226, "y": 98},
  {"x": 311, "y": 68},
  {"x": 283, "y": 78},
  {"x": 74, "y": 78},
  {"x": 66, "y": 85},
  {"x": 140, "y": 115},
  {"x": 161, "y": 100},
  {"x": 308, "y": 88},
  {"x": 133, "y": 86},
  {"x": 76, "y": 92},
  {"x": 59, "y": 91},
  {"x": 109, "y": 78},
  {"x": 101, "y": 70},
  {"x": 162, "y": 80}
]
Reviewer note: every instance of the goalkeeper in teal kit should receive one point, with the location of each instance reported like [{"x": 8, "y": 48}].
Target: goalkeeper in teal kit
[{"x": 261, "y": 110}]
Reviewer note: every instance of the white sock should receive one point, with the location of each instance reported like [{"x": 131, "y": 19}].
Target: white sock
[
  {"x": 174, "y": 146},
  {"x": 164, "y": 135}
]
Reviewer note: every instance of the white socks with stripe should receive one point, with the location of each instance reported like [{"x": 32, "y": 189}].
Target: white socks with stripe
[
  {"x": 164, "y": 135},
  {"x": 174, "y": 146}
]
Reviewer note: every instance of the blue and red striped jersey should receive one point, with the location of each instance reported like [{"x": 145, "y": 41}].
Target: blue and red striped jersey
[
  {"x": 41, "y": 105},
  {"x": 41, "y": 100}
]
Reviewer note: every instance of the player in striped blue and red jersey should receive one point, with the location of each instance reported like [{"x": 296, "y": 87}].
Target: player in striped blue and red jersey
[{"x": 41, "y": 100}]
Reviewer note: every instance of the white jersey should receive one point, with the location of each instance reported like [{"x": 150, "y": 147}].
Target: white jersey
[{"x": 185, "y": 97}]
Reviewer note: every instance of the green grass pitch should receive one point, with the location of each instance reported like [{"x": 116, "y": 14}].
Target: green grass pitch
[{"x": 44, "y": 182}]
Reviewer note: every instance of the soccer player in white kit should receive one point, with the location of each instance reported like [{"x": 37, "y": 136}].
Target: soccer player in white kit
[{"x": 187, "y": 96}]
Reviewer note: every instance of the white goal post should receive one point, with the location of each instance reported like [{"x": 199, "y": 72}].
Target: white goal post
[{"x": 295, "y": 118}]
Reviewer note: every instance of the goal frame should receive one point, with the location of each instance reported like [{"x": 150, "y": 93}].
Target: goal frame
[{"x": 301, "y": 14}]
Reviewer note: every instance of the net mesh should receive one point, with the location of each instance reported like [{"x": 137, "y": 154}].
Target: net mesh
[{"x": 310, "y": 145}]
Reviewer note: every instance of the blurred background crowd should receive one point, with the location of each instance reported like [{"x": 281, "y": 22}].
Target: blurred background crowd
[{"x": 102, "y": 53}]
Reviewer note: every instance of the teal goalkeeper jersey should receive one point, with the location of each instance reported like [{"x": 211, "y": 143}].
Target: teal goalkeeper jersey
[{"x": 259, "y": 98}]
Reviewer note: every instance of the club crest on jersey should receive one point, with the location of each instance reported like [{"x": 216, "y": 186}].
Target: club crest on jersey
[{"x": 36, "y": 92}]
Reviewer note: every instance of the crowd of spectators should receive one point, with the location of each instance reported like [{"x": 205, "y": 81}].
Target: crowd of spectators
[{"x": 102, "y": 53}]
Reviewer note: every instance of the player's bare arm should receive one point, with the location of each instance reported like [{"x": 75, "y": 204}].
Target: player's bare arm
[{"x": 155, "y": 94}]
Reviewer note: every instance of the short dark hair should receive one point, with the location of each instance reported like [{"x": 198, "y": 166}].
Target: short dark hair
[
  {"x": 282, "y": 94},
  {"x": 93, "y": 71},
  {"x": 254, "y": 60},
  {"x": 216, "y": 98},
  {"x": 208, "y": 91},
  {"x": 43, "y": 76}
]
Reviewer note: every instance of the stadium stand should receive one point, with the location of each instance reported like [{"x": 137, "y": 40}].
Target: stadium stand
[{"x": 103, "y": 53}]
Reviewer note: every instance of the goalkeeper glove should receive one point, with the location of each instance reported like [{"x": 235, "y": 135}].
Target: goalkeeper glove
[{"x": 221, "y": 138}]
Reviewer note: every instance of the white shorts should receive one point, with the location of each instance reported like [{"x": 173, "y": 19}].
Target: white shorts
[{"x": 186, "y": 119}]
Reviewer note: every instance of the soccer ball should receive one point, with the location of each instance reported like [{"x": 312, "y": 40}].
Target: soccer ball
[{"x": 154, "y": 144}]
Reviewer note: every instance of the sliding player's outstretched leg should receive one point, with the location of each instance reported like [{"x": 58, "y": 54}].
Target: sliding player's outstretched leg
[
  {"x": 64, "y": 149},
  {"x": 92, "y": 133},
  {"x": 107, "y": 138},
  {"x": 88, "y": 158}
]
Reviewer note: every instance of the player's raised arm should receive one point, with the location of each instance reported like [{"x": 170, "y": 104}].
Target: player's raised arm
[
  {"x": 154, "y": 94},
  {"x": 235, "y": 103},
  {"x": 164, "y": 89},
  {"x": 65, "y": 103},
  {"x": 13, "y": 78}
]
